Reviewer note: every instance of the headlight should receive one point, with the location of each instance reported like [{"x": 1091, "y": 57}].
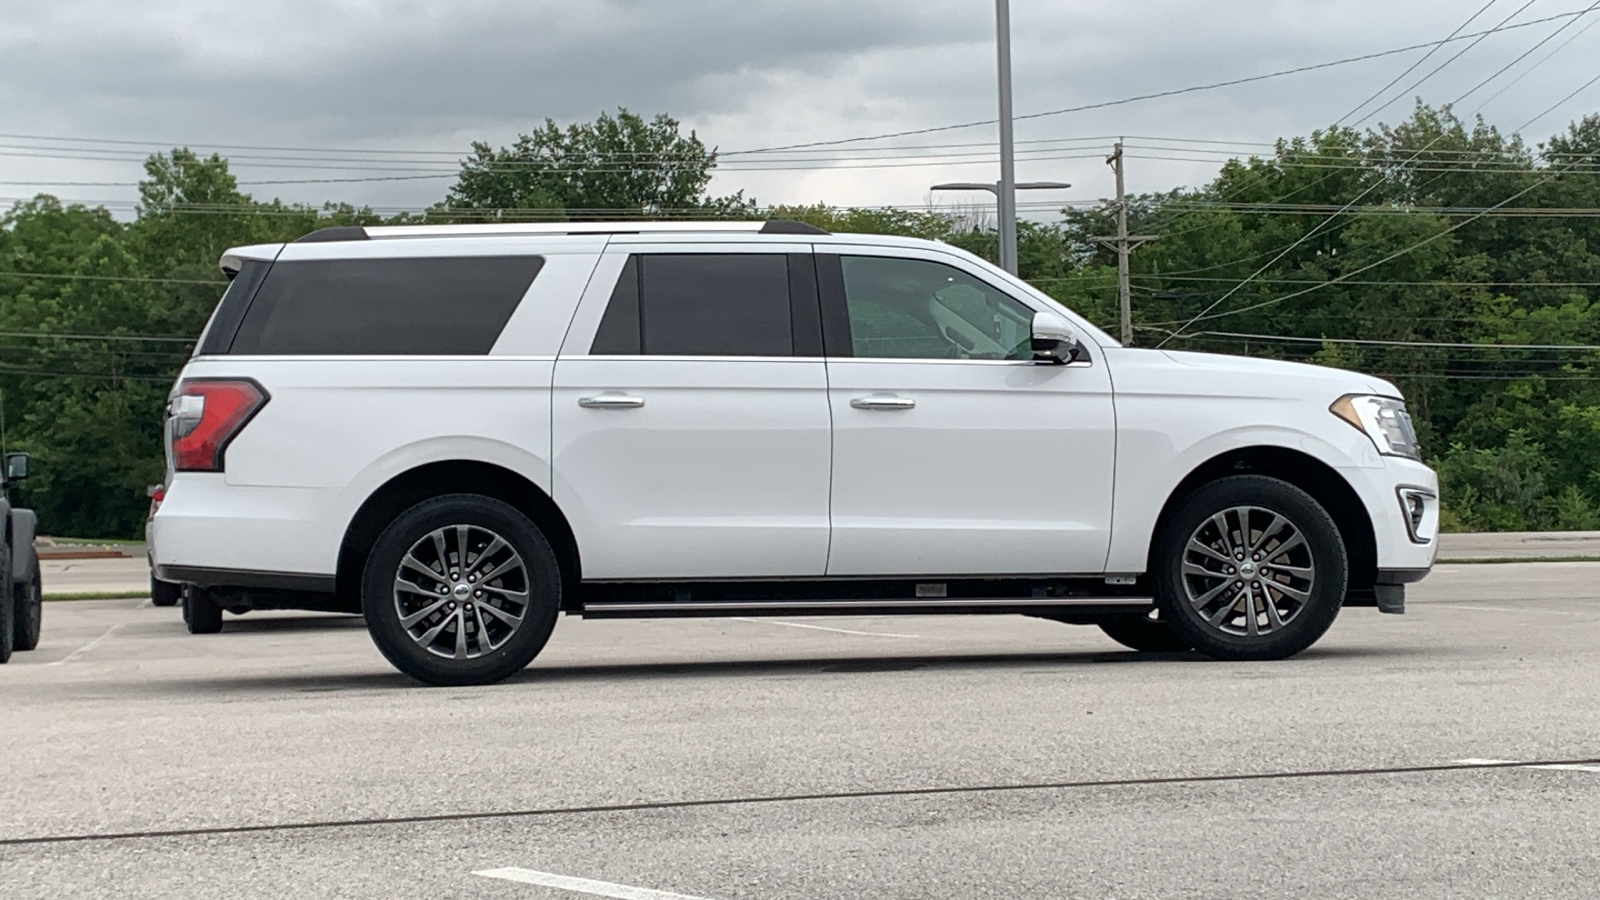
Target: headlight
[{"x": 1384, "y": 419}]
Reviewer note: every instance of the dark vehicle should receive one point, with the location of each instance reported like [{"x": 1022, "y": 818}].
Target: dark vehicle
[{"x": 21, "y": 590}]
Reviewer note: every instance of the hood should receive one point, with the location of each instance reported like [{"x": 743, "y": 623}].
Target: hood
[{"x": 1179, "y": 371}]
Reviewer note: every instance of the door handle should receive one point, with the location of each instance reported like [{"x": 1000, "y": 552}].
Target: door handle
[
  {"x": 882, "y": 401},
  {"x": 611, "y": 400}
]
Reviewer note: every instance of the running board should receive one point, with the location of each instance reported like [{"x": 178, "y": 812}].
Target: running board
[{"x": 601, "y": 609}]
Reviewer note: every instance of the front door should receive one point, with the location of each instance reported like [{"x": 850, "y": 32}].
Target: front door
[
  {"x": 953, "y": 452},
  {"x": 690, "y": 422}
]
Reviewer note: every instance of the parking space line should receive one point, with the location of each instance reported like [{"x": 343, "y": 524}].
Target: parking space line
[
  {"x": 582, "y": 885},
  {"x": 1505, "y": 609},
  {"x": 1557, "y": 767},
  {"x": 86, "y": 647},
  {"x": 888, "y": 634}
]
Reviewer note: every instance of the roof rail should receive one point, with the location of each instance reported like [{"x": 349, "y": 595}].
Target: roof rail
[{"x": 379, "y": 232}]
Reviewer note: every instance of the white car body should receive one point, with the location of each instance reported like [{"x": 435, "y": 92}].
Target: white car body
[{"x": 761, "y": 468}]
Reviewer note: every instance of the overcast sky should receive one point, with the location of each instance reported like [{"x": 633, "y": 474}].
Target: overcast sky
[{"x": 745, "y": 74}]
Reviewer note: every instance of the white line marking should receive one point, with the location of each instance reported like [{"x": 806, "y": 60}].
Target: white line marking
[
  {"x": 1560, "y": 767},
  {"x": 1557, "y": 612},
  {"x": 582, "y": 885},
  {"x": 825, "y": 628},
  {"x": 86, "y": 647}
]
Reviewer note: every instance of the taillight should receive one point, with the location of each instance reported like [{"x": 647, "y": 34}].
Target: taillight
[{"x": 204, "y": 415}]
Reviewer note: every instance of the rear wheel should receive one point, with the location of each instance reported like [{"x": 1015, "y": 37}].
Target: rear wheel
[
  {"x": 1249, "y": 567},
  {"x": 1144, "y": 634},
  {"x": 27, "y": 599},
  {"x": 461, "y": 589},
  {"x": 164, "y": 593},
  {"x": 200, "y": 612}
]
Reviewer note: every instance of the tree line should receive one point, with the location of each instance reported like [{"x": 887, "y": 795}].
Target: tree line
[{"x": 1459, "y": 262}]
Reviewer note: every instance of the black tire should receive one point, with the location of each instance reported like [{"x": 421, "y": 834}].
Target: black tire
[
  {"x": 1144, "y": 634},
  {"x": 1314, "y": 568},
  {"x": 27, "y": 598},
  {"x": 8, "y": 611},
  {"x": 165, "y": 593},
  {"x": 523, "y": 550},
  {"x": 200, "y": 612}
]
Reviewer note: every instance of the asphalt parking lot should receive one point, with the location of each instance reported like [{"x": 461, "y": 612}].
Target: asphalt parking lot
[{"x": 885, "y": 758}]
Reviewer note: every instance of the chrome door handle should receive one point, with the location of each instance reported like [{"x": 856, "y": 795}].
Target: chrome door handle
[
  {"x": 611, "y": 401},
  {"x": 882, "y": 401}
]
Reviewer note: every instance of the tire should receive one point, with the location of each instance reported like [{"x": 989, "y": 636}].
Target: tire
[
  {"x": 165, "y": 593},
  {"x": 200, "y": 612},
  {"x": 1291, "y": 575},
  {"x": 435, "y": 642},
  {"x": 27, "y": 598},
  {"x": 8, "y": 611},
  {"x": 1144, "y": 634}
]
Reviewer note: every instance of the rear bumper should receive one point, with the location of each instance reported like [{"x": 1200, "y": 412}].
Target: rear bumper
[{"x": 205, "y": 525}]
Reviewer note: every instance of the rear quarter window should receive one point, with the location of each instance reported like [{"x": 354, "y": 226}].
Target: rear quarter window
[{"x": 449, "y": 306}]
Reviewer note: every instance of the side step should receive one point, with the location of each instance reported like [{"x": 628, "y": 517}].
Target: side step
[{"x": 622, "y": 609}]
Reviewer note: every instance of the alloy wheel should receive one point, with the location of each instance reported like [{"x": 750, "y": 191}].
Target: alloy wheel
[
  {"x": 461, "y": 591},
  {"x": 1248, "y": 571}
]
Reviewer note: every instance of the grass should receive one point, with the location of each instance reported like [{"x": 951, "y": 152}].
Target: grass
[{"x": 97, "y": 595}]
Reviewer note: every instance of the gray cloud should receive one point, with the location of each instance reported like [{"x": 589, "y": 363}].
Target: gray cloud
[{"x": 435, "y": 76}]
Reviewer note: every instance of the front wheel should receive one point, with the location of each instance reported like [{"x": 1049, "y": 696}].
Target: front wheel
[
  {"x": 1249, "y": 567},
  {"x": 461, "y": 589}
]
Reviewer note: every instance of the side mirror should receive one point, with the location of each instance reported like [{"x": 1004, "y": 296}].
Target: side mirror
[
  {"x": 1054, "y": 341},
  {"x": 16, "y": 466}
]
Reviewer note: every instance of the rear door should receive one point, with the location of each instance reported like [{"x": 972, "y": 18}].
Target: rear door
[
  {"x": 690, "y": 422},
  {"x": 954, "y": 453}
]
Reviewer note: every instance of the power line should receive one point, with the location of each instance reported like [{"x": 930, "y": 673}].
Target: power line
[
  {"x": 1411, "y": 68},
  {"x": 1169, "y": 93}
]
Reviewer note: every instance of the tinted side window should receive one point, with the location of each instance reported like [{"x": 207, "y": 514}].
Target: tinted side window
[
  {"x": 915, "y": 309},
  {"x": 432, "y": 305},
  {"x": 619, "y": 328},
  {"x": 716, "y": 304}
]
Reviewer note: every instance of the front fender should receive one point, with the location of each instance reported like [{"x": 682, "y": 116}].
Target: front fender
[
  {"x": 1151, "y": 465},
  {"x": 24, "y": 559}
]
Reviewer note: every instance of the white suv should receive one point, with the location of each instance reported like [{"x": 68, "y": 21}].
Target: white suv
[{"x": 461, "y": 431}]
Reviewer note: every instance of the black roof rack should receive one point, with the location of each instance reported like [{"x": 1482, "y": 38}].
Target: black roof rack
[
  {"x": 334, "y": 233},
  {"x": 784, "y": 226}
]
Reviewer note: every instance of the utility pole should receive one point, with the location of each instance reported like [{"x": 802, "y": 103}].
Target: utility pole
[
  {"x": 1124, "y": 244},
  {"x": 1007, "y": 193}
]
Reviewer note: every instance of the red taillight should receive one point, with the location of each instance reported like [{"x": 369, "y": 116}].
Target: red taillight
[{"x": 204, "y": 415}]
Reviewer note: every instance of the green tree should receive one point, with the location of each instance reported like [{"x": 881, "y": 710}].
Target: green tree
[{"x": 615, "y": 165}]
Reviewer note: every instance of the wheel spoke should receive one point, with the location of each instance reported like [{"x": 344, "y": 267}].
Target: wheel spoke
[
  {"x": 1249, "y": 611},
  {"x": 461, "y": 634},
  {"x": 1295, "y": 571},
  {"x": 1271, "y": 529},
  {"x": 498, "y": 613},
  {"x": 1297, "y": 541},
  {"x": 1225, "y": 530},
  {"x": 1274, "y": 620},
  {"x": 461, "y": 548},
  {"x": 495, "y": 546},
  {"x": 1210, "y": 595},
  {"x": 1294, "y": 592},
  {"x": 416, "y": 565},
  {"x": 1190, "y": 568},
  {"x": 1223, "y": 613},
  {"x": 1196, "y": 547},
  {"x": 432, "y": 634},
  {"x": 514, "y": 562},
  {"x": 408, "y": 621},
  {"x": 483, "y": 629}
]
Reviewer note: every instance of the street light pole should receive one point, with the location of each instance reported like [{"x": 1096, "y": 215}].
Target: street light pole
[
  {"x": 1007, "y": 262},
  {"x": 1007, "y": 193}
]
